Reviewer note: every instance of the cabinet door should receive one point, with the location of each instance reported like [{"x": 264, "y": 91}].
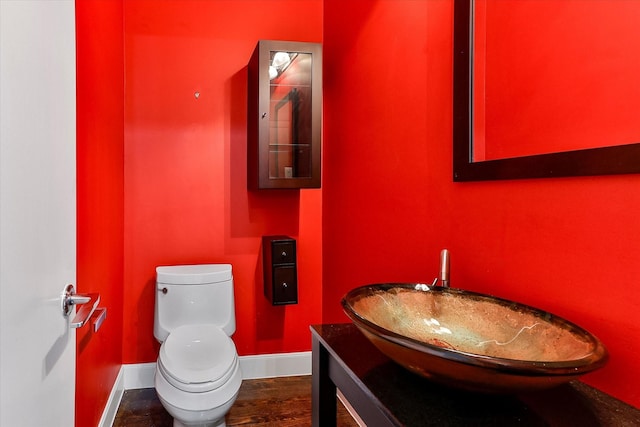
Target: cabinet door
[{"x": 284, "y": 122}]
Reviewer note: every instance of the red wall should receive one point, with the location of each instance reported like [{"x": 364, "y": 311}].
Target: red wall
[
  {"x": 569, "y": 246},
  {"x": 100, "y": 196},
  {"x": 186, "y": 198},
  {"x": 176, "y": 167}
]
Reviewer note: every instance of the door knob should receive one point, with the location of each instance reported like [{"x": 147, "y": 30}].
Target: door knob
[{"x": 89, "y": 303}]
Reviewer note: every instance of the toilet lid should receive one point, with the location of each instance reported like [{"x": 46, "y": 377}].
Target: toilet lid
[{"x": 197, "y": 354}]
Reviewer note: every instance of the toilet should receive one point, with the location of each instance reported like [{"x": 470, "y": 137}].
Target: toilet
[{"x": 197, "y": 375}]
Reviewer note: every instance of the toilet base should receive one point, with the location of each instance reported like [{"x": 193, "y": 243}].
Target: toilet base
[
  {"x": 180, "y": 416},
  {"x": 219, "y": 423}
]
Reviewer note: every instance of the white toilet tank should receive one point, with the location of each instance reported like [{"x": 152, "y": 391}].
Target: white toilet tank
[{"x": 194, "y": 294}]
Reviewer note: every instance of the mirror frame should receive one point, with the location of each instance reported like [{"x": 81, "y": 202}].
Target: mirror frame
[{"x": 611, "y": 160}]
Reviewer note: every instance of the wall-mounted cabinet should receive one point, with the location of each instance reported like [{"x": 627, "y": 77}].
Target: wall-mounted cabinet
[
  {"x": 284, "y": 115},
  {"x": 280, "y": 269}
]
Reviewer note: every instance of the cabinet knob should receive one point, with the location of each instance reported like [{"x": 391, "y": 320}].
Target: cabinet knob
[
  {"x": 284, "y": 254},
  {"x": 264, "y": 115},
  {"x": 284, "y": 285}
]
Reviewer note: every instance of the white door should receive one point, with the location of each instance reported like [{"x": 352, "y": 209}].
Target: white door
[{"x": 37, "y": 211}]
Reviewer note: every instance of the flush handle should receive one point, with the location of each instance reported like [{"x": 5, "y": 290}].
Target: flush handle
[{"x": 89, "y": 304}]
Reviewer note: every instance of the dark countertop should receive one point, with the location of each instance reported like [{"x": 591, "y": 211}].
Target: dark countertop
[{"x": 415, "y": 401}]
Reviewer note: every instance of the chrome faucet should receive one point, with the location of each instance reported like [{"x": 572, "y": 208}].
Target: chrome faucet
[{"x": 444, "y": 268}]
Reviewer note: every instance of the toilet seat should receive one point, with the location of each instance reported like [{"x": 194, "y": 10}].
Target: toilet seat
[{"x": 197, "y": 358}]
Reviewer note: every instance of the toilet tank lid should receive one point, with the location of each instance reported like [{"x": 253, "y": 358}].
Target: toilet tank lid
[{"x": 193, "y": 274}]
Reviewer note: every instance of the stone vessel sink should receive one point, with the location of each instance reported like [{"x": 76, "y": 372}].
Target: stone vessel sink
[{"x": 472, "y": 341}]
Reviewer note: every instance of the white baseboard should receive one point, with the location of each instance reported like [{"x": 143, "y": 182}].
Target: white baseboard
[
  {"x": 111, "y": 408},
  {"x": 140, "y": 375},
  {"x": 275, "y": 365}
]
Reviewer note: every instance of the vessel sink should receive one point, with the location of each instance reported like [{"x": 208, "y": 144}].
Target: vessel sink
[{"x": 472, "y": 341}]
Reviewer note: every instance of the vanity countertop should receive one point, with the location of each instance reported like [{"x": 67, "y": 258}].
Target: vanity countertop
[{"x": 385, "y": 394}]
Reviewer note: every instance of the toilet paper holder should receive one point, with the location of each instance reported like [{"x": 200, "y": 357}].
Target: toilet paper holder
[{"x": 89, "y": 304}]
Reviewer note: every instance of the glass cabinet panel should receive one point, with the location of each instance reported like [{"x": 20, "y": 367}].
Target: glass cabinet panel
[{"x": 284, "y": 115}]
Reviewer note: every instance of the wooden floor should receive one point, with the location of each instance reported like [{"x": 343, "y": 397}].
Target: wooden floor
[{"x": 282, "y": 402}]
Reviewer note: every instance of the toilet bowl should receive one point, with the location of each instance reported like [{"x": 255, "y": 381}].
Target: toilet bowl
[{"x": 197, "y": 375}]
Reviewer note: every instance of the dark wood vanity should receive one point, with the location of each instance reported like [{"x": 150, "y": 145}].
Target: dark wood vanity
[{"x": 385, "y": 394}]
